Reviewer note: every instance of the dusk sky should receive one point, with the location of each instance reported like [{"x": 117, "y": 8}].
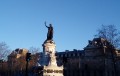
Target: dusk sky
[{"x": 74, "y": 21}]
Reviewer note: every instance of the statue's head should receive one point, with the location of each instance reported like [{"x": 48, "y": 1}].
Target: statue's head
[{"x": 50, "y": 25}]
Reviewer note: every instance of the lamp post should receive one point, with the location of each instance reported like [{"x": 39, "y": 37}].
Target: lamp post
[
  {"x": 105, "y": 71},
  {"x": 28, "y": 58},
  {"x": 113, "y": 61}
]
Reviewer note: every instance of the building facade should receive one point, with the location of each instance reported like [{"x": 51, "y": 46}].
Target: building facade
[{"x": 98, "y": 58}]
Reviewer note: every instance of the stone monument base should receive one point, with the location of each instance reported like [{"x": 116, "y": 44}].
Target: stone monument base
[{"x": 53, "y": 70}]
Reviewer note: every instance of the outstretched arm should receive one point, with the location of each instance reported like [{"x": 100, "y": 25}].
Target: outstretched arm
[{"x": 46, "y": 25}]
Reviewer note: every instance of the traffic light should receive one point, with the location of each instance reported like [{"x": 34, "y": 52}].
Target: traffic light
[{"x": 28, "y": 56}]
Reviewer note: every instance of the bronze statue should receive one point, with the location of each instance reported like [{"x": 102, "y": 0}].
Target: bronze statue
[{"x": 50, "y": 32}]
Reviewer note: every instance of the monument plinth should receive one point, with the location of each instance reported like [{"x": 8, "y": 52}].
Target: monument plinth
[
  {"x": 49, "y": 64},
  {"x": 51, "y": 68}
]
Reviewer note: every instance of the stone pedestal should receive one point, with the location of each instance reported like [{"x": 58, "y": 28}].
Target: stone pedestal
[{"x": 49, "y": 60}]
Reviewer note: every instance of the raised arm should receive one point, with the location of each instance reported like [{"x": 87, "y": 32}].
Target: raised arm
[{"x": 46, "y": 25}]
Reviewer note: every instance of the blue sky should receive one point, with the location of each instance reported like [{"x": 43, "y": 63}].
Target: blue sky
[{"x": 74, "y": 21}]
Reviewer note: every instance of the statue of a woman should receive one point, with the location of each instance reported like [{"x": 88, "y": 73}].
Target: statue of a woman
[{"x": 50, "y": 32}]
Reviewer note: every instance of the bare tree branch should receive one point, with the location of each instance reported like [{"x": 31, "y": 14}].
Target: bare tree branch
[
  {"x": 4, "y": 51},
  {"x": 34, "y": 50},
  {"x": 111, "y": 33}
]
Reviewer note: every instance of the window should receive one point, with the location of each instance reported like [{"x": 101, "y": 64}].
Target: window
[
  {"x": 69, "y": 55},
  {"x": 61, "y": 55},
  {"x": 65, "y": 55},
  {"x": 73, "y": 54}
]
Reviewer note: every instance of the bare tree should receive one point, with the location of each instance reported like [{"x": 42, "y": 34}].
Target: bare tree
[
  {"x": 4, "y": 51},
  {"x": 111, "y": 33},
  {"x": 34, "y": 50}
]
